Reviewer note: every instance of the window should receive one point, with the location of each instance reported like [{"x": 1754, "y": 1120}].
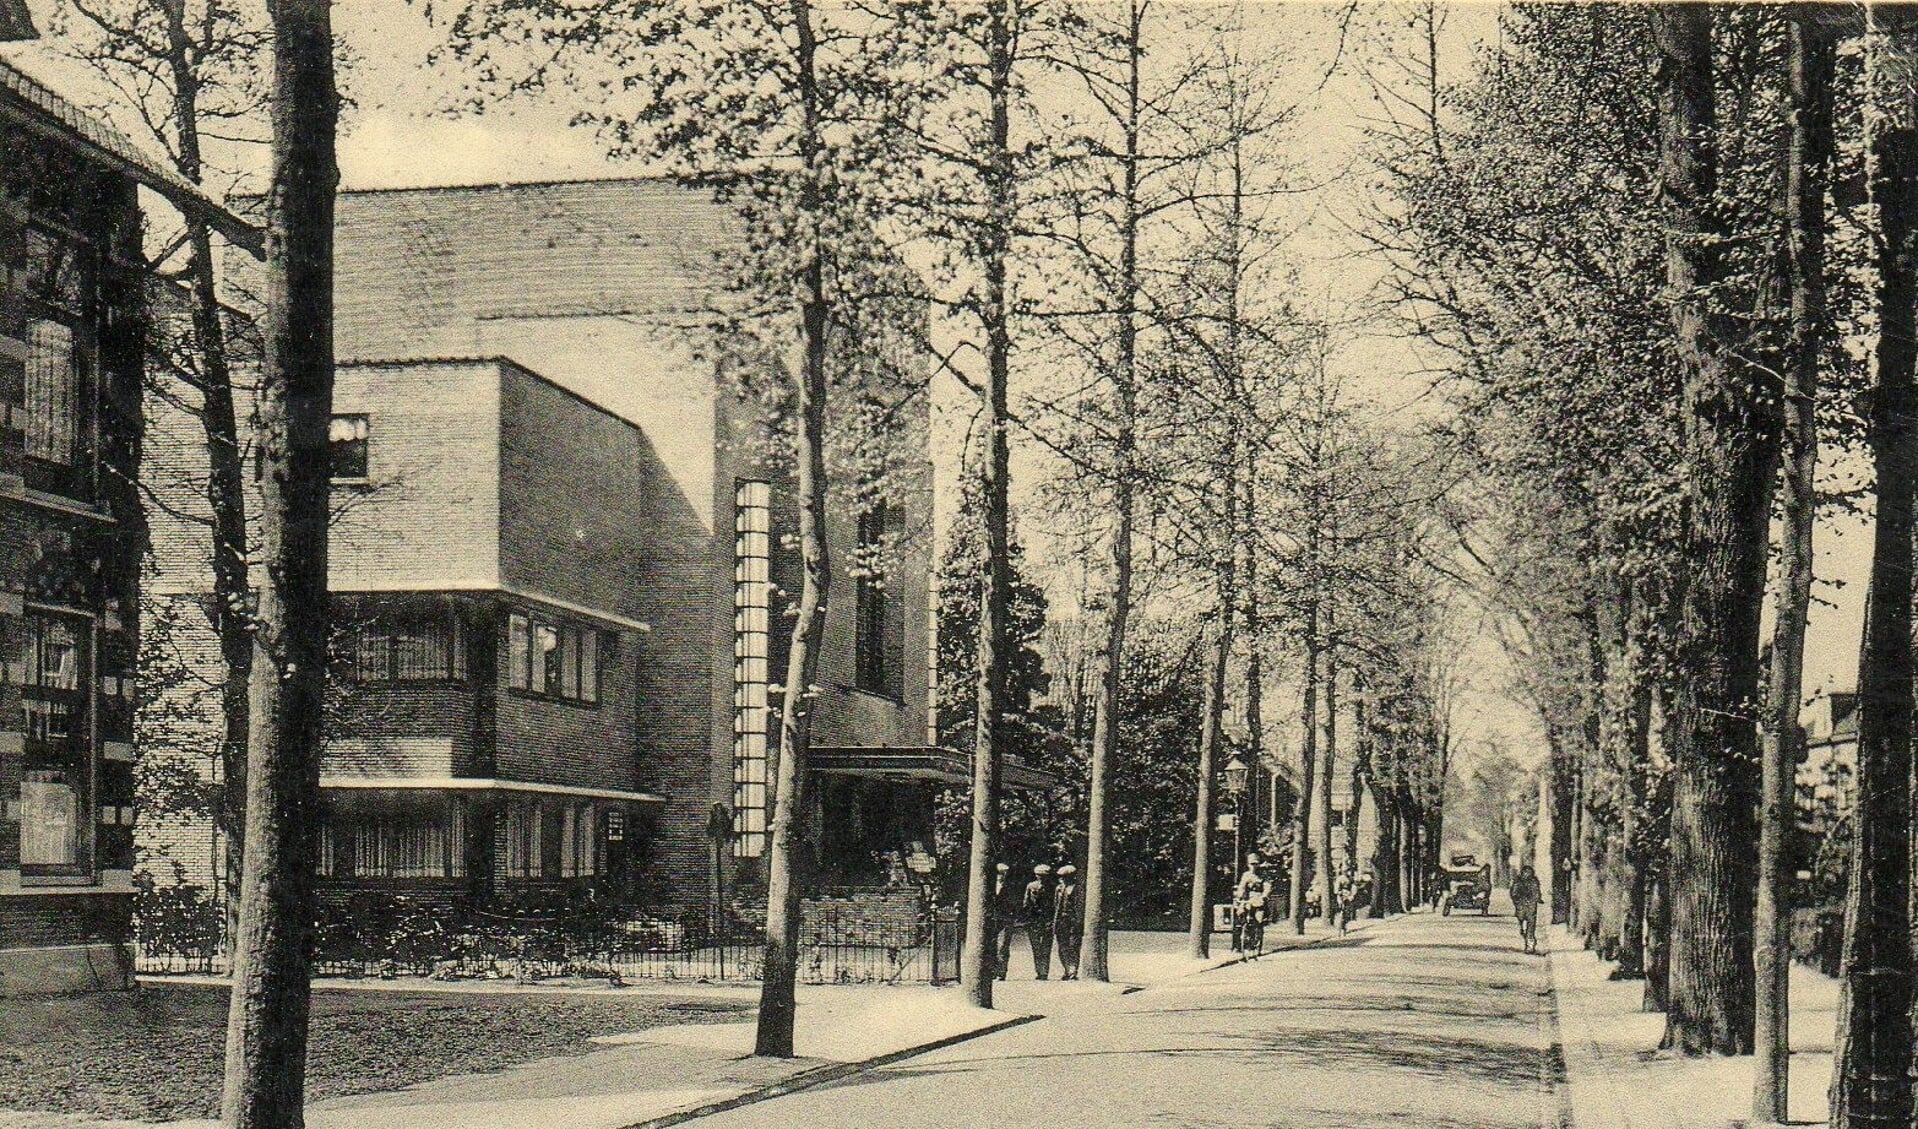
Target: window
[
  {"x": 752, "y": 613},
  {"x": 517, "y": 839},
  {"x": 54, "y": 805},
  {"x": 557, "y": 659},
  {"x": 579, "y": 841},
  {"x": 878, "y": 644},
  {"x": 415, "y": 837},
  {"x": 408, "y": 649},
  {"x": 53, "y": 394},
  {"x": 346, "y": 441}
]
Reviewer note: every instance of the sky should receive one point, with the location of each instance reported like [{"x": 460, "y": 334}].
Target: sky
[{"x": 397, "y": 133}]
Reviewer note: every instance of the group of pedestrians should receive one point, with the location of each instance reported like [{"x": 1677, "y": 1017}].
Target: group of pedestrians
[{"x": 1050, "y": 908}]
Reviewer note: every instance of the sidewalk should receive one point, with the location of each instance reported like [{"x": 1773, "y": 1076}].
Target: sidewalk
[
  {"x": 1617, "y": 1079},
  {"x": 662, "y": 1076}
]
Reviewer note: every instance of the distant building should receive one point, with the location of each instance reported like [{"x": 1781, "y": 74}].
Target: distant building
[
  {"x": 1825, "y": 776},
  {"x": 73, "y": 314},
  {"x": 563, "y": 547}
]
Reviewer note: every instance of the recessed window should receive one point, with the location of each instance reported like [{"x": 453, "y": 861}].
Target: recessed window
[
  {"x": 407, "y": 648},
  {"x": 53, "y": 394},
  {"x": 346, "y": 441},
  {"x": 752, "y": 614},
  {"x": 878, "y": 626},
  {"x": 552, "y": 657},
  {"x": 53, "y": 806}
]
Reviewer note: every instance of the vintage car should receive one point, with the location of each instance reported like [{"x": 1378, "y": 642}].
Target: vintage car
[{"x": 1467, "y": 885}]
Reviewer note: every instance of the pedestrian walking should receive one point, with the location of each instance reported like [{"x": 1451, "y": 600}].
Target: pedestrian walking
[
  {"x": 1526, "y": 895},
  {"x": 1037, "y": 912},
  {"x": 1068, "y": 920},
  {"x": 1006, "y": 906}
]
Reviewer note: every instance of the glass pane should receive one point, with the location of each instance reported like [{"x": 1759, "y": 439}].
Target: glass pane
[
  {"x": 49, "y": 820},
  {"x": 57, "y": 656},
  {"x": 589, "y": 666},
  {"x": 516, "y": 651},
  {"x": 569, "y": 663},
  {"x": 371, "y": 656},
  {"x": 53, "y": 408},
  {"x": 545, "y": 658}
]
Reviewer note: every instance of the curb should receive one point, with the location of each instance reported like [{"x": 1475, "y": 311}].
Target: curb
[{"x": 821, "y": 1075}]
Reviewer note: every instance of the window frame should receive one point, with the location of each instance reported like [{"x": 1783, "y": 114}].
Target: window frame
[
  {"x": 72, "y": 754},
  {"x": 535, "y": 670}
]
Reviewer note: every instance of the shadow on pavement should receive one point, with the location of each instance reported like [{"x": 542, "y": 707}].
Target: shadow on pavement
[{"x": 1439, "y": 1057}]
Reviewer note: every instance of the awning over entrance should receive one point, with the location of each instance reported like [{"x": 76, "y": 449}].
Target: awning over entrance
[
  {"x": 923, "y": 762},
  {"x": 481, "y": 784}
]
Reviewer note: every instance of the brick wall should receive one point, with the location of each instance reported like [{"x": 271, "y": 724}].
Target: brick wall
[{"x": 429, "y": 517}]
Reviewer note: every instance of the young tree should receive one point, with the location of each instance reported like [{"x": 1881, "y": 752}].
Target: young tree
[
  {"x": 773, "y": 108},
  {"x": 1808, "y": 152},
  {"x": 186, "y": 68},
  {"x": 267, "y": 1023}
]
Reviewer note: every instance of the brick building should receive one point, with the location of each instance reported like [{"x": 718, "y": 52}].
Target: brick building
[
  {"x": 72, "y": 331},
  {"x": 561, "y": 556}
]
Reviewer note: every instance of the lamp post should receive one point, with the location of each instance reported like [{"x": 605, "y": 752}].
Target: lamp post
[{"x": 1235, "y": 774}]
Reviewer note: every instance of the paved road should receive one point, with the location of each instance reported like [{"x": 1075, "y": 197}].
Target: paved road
[{"x": 1418, "y": 1021}]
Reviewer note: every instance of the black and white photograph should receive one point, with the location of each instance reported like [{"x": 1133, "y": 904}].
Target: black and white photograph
[{"x": 932, "y": 564}]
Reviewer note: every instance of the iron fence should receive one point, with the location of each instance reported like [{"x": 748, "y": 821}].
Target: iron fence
[{"x": 841, "y": 942}]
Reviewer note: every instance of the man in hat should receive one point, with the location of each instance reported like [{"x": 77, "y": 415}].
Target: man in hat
[
  {"x": 1068, "y": 920},
  {"x": 1037, "y": 911},
  {"x": 1006, "y": 904}
]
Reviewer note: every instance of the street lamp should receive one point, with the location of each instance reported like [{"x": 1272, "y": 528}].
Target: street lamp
[{"x": 1235, "y": 773}]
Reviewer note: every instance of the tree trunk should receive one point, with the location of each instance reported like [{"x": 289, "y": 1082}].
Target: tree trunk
[
  {"x": 789, "y": 852},
  {"x": 1564, "y": 792},
  {"x": 1308, "y": 771},
  {"x": 975, "y": 958},
  {"x": 1105, "y": 727},
  {"x": 1328, "y": 901},
  {"x": 1386, "y": 891},
  {"x": 1813, "y": 56},
  {"x": 1872, "y": 1086},
  {"x": 1730, "y": 458},
  {"x": 1199, "y": 923},
  {"x": 267, "y": 1021}
]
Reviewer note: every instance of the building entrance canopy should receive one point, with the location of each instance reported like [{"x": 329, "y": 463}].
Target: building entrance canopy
[{"x": 921, "y": 762}]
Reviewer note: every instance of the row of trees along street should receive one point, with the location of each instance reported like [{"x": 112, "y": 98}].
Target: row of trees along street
[
  {"x": 1669, "y": 252},
  {"x": 1665, "y": 251}
]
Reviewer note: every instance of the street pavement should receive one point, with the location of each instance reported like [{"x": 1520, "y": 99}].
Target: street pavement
[{"x": 1415, "y": 1021}]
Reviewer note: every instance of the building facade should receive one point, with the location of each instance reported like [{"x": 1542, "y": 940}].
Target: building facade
[
  {"x": 563, "y": 552},
  {"x": 72, "y": 334}
]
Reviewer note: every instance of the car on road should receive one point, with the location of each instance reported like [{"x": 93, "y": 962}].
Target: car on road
[{"x": 1467, "y": 885}]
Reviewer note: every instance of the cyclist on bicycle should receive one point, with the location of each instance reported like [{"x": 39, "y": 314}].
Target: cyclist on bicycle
[
  {"x": 1526, "y": 896},
  {"x": 1248, "y": 906}
]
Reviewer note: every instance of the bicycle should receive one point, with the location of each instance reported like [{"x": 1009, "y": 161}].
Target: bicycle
[{"x": 1252, "y": 931}]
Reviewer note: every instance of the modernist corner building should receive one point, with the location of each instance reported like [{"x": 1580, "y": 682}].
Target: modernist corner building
[
  {"x": 562, "y": 551},
  {"x": 72, "y": 325}
]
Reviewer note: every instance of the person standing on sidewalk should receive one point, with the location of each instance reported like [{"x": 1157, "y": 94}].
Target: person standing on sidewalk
[
  {"x": 1068, "y": 920},
  {"x": 1526, "y": 896},
  {"x": 1006, "y": 906},
  {"x": 1037, "y": 911}
]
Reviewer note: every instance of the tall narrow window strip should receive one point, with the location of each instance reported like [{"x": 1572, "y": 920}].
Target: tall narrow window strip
[{"x": 752, "y": 601}]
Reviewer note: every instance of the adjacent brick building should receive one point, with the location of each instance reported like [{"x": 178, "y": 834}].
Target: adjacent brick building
[
  {"x": 551, "y": 473},
  {"x": 72, "y": 329}
]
